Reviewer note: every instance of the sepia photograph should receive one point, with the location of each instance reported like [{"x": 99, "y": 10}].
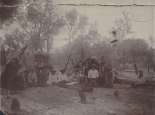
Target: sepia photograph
[{"x": 77, "y": 57}]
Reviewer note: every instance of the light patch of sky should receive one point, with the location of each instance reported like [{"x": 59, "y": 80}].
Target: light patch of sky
[
  {"x": 141, "y": 19},
  {"x": 109, "y": 2},
  {"x": 94, "y": 1}
]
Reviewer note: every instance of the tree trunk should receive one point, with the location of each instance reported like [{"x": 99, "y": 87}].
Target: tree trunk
[
  {"x": 49, "y": 44},
  {"x": 148, "y": 68}
]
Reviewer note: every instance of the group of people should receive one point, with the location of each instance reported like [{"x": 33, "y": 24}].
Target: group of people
[
  {"x": 94, "y": 74},
  {"x": 16, "y": 76},
  {"x": 36, "y": 76},
  {"x": 97, "y": 73}
]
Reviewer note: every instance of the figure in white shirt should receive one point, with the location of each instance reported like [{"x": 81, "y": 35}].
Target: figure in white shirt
[{"x": 93, "y": 75}]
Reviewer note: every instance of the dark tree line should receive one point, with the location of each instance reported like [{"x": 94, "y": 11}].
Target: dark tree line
[{"x": 8, "y": 9}]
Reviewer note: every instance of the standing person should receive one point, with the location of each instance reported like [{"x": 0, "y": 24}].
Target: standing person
[
  {"x": 9, "y": 77},
  {"x": 84, "y": 89},
  {"x": 108, "y": 76},
  {"x": 32, "y": 77},
  {"x": 3, "y": 57},
  {"x": 140, "y": 74},
  {"x": 93, "y": 75},
  {"x": 42, "y": 74},
  {"x": 136, "y": 68},
  {"x": 101, "y": 79},
  {"x": 39, "y": 76},
  {"x": 81, "y": 91}
]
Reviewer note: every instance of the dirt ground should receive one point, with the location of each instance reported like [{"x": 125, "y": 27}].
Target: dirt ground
[{"x": 54, "y": 100}]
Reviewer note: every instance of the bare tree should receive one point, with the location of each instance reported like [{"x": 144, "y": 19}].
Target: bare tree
[
  {"x": 76, "y": 25},
  {"x": 122, "y": 27}
]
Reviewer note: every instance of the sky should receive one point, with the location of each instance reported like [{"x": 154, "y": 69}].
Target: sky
[
  {"x": 126, "y": 2},
  {"x": 142, "y": 19}
]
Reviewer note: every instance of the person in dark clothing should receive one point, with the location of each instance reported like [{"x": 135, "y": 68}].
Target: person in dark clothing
[
  {"x": 81, "y": 91},
  {"x": 3, "y": 56},
  {"x": 140, "y": 75},
  {"x": 108, "y": 76},
  {"x": 10, "y": 79},
  {"x": 85, "y": 87},
  {"x": 101, "y": 79},
  {"x": 42, "y": 74},
  {"x": 136, "y": 68}
]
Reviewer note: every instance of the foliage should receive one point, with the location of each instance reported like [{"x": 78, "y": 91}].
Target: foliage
[
  {"x": 40, "y": 23},
  {"x": 122, "y": 27},
  {"x": 133, "y": 50},
  {"x": 13, "y": 41},
  {"x": 136, "y": 51},
  {"x": 72, "y": 17},
  {"x": 75, "y": 23},
  {"x": 8, "y": 9}
]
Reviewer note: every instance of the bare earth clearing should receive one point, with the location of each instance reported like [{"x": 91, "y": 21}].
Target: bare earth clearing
[{"x": 54, "y": 100}]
